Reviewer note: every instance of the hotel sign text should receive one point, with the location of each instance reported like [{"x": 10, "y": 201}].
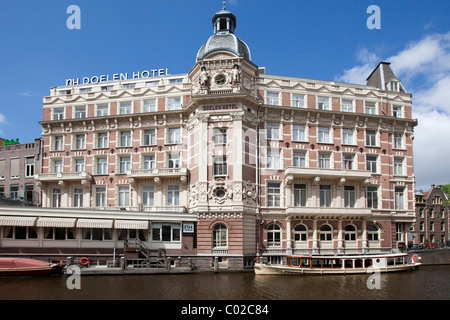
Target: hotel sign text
[{"x": 117, "y": 77}]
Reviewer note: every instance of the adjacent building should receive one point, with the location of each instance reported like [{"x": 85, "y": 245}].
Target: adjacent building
[
  {"x": 432, "y": 218},
  {"x": 223, "y": 163},
  {"x": 19, "y": 162}
]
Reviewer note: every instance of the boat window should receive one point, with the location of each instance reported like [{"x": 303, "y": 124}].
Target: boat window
[
  {"x": 348, "y": 263},
  {"x": 390, "y": 261},
  {"x": 327, "y": 263},
  {"x": 368, "y": 263},
  {"x": 316, "y": 263},
  {"x": 296, "y": 262},
  {"x": 305, "y": 262},
  {"x": 358, "y": 263},
  {"x": 337, "y": 263}
]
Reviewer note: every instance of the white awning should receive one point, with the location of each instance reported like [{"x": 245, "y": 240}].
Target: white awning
[
  {"x": 131, "y": 224},
  {"x": 13, "y": 221},
  {"x": 95, "y": 223},
  {"x": 56, "y": 222}
]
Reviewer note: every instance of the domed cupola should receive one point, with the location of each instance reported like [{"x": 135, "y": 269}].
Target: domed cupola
[{"x": 224, "y": 24}]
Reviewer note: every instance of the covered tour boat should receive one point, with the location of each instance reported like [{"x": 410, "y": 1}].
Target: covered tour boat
[
  {"x": 21, "y": 267},
  {"x": 348, "y": 264}
]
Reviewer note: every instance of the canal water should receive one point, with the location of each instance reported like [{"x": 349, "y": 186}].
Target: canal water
[{"x": 427, "y": 283}]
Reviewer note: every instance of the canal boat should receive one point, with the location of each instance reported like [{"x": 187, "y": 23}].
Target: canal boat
[
  {"x": 348, "y": 264},
  {"x": 22, "y": 267}
]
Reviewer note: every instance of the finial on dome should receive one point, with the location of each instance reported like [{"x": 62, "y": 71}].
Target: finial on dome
[{"x": 224, "y": 3}]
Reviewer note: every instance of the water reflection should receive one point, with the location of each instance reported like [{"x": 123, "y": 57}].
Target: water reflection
[{"x": 427, "y": 283}]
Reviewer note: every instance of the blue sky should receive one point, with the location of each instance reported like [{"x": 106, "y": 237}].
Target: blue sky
[{"x": 326, "y": 40}]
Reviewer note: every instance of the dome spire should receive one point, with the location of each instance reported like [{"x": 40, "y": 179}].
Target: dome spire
[{"x": 224, "y": 21}]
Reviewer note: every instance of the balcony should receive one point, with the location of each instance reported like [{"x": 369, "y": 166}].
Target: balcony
[
  {"x": 317, "y": 174},
  {"x": 159, "y": 173},
  {"x": 328, "y": 212},
  {"x": 62, "y": 177}
]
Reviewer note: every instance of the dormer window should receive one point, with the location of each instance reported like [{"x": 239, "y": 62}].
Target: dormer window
[{"x": 393, "y": 86}]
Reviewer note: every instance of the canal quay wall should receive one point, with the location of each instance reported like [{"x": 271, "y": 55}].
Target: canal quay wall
[
  {"x": 426, "y": 257},
  {"x": 432, "y": 256}
]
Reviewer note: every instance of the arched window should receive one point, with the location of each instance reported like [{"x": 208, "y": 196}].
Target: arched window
[
  {"x": 274, "y": 235},
  {"x": 220, "y": 236},
  {"x": 326, "y": 233},
  {"x": 350, "y": 233},
  {"x": 300, "y": 233},
  {"x": 373, "y": 233}
]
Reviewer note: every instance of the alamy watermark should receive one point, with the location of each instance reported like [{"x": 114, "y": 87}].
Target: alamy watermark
[
  {"x": 374, "y": 21},
  {"x": 74, "y": 280},
  {"x": 74, "y": 20}
]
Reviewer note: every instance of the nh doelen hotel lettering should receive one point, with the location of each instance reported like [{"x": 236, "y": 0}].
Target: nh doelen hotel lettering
[
  {"x": 220, "y": 107},
  {"x": 117, "y": 77}
]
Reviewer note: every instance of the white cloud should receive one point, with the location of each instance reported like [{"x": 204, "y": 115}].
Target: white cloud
[
  {"x": 359, "y": 74},
  {"x": 431, "y": 151},
  {"x": 2, "y": 123},
  {"x": 424, "y": 68},
  {"x": 25, "y": 93}
]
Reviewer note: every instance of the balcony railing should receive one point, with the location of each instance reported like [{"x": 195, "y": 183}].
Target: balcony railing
[
  {"x": 328, "y": 173},
  {"x": 63, "y": 176},
  {"x": 157, "y": 172}
]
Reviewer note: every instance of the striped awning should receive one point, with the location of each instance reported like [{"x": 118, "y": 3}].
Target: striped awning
[
  {"x": 56, "y": 222},
  {"x": 95, "y": 223},
  {"x": 13, "y": 221},
  {"x": 131, "y": 224}
]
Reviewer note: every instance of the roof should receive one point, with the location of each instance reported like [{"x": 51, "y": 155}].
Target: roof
[{"x": 382, "y": 75}]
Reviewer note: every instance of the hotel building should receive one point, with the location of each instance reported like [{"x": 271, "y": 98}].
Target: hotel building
[{"x": 224, "y": 163}]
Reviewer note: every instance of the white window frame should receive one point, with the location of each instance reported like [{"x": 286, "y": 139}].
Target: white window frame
[
  {"x": 58, "y": 144},
  {"x": 324, "y": 160},
  {"x": 347, "y": 105},
  {"x": 152, "y": 137},
  {"x": 273, "y": 194},
  {"x": 273, "y": 158},
  {"x": 323, "y": 135},
  {"x": 80, "y": 141},
  {"x": 323, "y": 103},
  {"x": 80, "y": 112},
  {"x": 348, "y": 136},
  {"x": 273, "y": 130},
  {"x": 123, "y": 196},
  {"x": 58, "y": 113},
  {"x": 373, "y": 142},
  {"x": 174, "y": 135},
  {"x": 149, "y": 105},
  {"x": 124, "y": 166},
  {"x": 102, "y": 165},
  {"x": 299, "y": 132},
  {"x": 272, "y": 98},
  {"x": 125, "y": 107},
  {"x": 102, "y": 140},
  {"x": 102, "y": 112},
  {"x": 125, "y": 139},
  {"x": 370, "y": 107},
  {"x": 298, "y": 100},
  {"x": 173, "y": 103}
]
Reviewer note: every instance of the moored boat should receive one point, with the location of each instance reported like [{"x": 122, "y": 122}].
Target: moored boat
[
  {"x": 21, "y": 267},
  {"x": 349, "y": 264}
]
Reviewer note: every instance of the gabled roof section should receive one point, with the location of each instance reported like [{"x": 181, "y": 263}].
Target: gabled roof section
[{"x": 382, "y": 75}]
